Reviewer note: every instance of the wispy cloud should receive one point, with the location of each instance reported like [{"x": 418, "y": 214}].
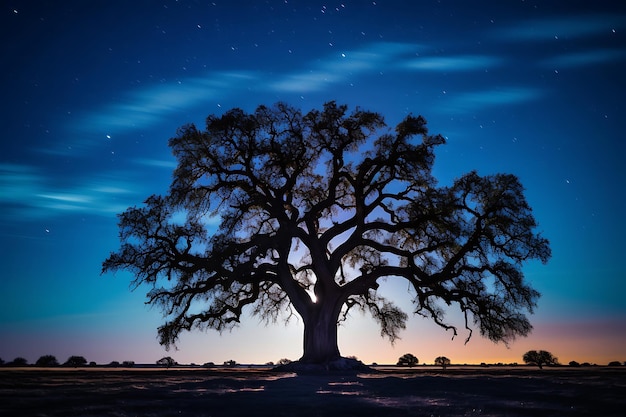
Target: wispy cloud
[
  {"x": 28, "y": 194},
  {"x": 343, "y": 65},
  {"x": 147, "y": 106},
  {"x": 477, "y": 100},
  {"x": 452, "y": 63},
  {"x": 158, "y": 163},
  {"x": 560, "y": 27},
  {"x": 584, "y": 58},
  {"x": 18, "y": 182}
]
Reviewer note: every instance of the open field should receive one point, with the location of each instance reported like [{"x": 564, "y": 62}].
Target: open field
[{"x": 421, "y": 391}]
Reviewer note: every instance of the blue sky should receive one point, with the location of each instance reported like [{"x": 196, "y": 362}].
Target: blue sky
[{"x": 94, "y": 90}]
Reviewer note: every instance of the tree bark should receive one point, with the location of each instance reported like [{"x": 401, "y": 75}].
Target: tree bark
[{"x": 320, "y": 334}]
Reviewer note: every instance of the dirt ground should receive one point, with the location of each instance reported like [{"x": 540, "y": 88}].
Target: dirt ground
[{"x": 519, "y": 391}]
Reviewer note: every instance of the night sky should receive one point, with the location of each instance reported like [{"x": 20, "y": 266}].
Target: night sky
[{"x": 93, "y": 90}]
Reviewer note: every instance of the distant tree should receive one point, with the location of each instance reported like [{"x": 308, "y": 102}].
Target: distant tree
[
  {"x": 1, "y": 361},
  {"x": 19, "y": 361},
  {"x": 442, "y": 361},
  {"x": 284, "y": 361},
  {"x": 209, "y": 365},
  {"x": 128, "y": 364},
  {"x": 75, "y": 361},
  {"x": 231, "y": 363},
  {"x": 314, "y": 211},
  {"x": 93, "y": 363},
  {"x": 615, "y": 363},
  {"x": 167, "y": 361},
  {"x": 47, "y": 361},
  {"x": 540, "y": 358},
  {"x": 114, "y": 364},
  {"x": 574, "y": 364},
  {"x": 407, "y": 359}
]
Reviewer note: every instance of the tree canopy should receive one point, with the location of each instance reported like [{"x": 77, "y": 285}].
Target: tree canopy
[
  {"x": 166, "y": 361},
  {"x": 540, "y": 358},
  {"x": 312, "y": 211},
  {"x": 75, "y": 361},
  {"x": 47, "y": 360},
  {"x": 442, "y": 361},
  {"x": 408, "y": 359}
]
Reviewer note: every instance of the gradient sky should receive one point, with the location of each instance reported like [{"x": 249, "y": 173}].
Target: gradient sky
[{"x": 93, "y": 90}]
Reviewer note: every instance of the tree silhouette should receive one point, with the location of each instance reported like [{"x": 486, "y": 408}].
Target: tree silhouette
[
  {"x": 314, "y": 210},
  {"x": 47, "y": 360},
  {"x": 75, "y": 361},
  {"x": 408, "y": 359},
  {"x": 166, "y": 361},
  {"x": 442, "y": 361},
  {"x": 19, "y": 361},
  {"x": 540, "y": 358}
]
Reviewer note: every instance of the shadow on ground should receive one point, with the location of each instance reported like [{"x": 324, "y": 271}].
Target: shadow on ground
[{"x": 159, "y": 393}]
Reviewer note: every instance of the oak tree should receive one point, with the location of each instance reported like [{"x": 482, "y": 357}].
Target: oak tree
[
  {"x": 47, "y": 361},
  {"x": 75, "y": 361},
  {"x": 442, "y": 361},
  {"x": 540, "y": 358},
  {"x": 408, "y": 359},
  {"x": 166, "y": 361},
  {"x": 313, "y": 211}
]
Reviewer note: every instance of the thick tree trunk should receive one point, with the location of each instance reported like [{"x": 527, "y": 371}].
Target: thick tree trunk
[{"x": 320, "y": 335}]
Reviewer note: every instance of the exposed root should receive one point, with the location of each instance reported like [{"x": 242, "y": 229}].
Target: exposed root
[{"x": 337, "y": 366}]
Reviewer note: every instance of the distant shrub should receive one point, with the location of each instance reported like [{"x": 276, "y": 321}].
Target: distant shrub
[
  {"x": 166, "y": 361},
  {"x": 114, "y": 364},
  {"x": 128, "y": 364},
  {"x": 442, "y": 361},
  {"x": 209, "y": 365},
  {"x": 76, "y": 361},
  {"x": 19, "y": 361},
  {"x": 407, "y": 359},
  {"x": 284, "y": 361},
  {"x": 1, "y": 361},
  {"x": 615, "y": 363},
  {"x": 47, "y": 361},
  {"x": 230, "y": 363},
  {"x": 92, "y": 363},
  {"x": 540, "y": 358},
  {"x": 574, "y": 364}
]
